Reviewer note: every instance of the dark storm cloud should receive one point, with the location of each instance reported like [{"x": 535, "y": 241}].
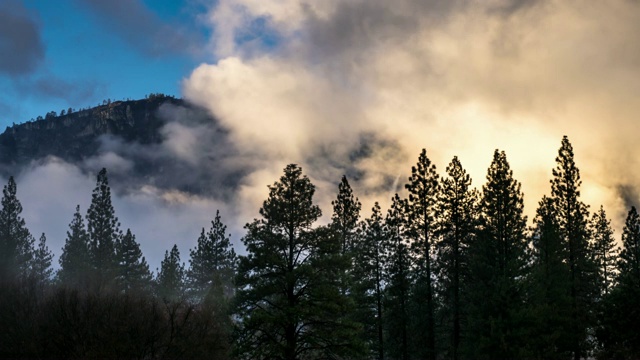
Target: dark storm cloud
[
  {"x": 142, "y": 28},
  {"x": 21, "y": 46}
]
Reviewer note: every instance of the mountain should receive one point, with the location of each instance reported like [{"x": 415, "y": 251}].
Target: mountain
[{"x": 160, "y": 141}]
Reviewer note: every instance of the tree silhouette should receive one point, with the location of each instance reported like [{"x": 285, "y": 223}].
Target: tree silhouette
[
  {"x": 283, "y": 287},
  {"x": 16, "y": 243},
  {"x": 370, "y": 255},
  {"x": 457, "y": 206},
  {"x": 498, "y": 266},
  {"x": 604, "y": 252},
  {"x": 41, "y": 265},
  {"x": 133, "y": 270},
  {"x": 572, "y": 217},
  {"x": 170, "y": 280},
  {"x": 104, "y": 231},
  {"x": 399, "y": 280},
  {"x": 74, "y": 261},
  {"x": 213, "y": 262},
  {"x": 423, "y": 190}
]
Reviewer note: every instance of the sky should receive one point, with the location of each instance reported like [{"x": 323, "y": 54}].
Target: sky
[
  {"x": 77, "y": 53},
  {"x": 354, "y": 87}
]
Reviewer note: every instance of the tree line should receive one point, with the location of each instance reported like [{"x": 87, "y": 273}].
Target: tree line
[{"x": 447, "y": 272}]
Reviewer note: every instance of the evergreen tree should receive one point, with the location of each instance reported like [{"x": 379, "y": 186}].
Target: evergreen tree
[
  {"x": 572, "y": 217},
  {"x": 284, "y": 281},
  {"x": 625, "y": 310},
  {"x": 423, "y": 190},
  {"x": 457, "y": 205},
  {"x": 16, "y": 243},
  {"x": 629, "y": 260},
  {"x": 41, "y": 265},
  {"x": 369, "y": 274},
  {"x": 133, "y": 270},
  {"x": 344, "y": 225},
  {"x": 170, "y": 279},
  {"x": 213, "y": 262},
  {"x": 549, "y": 297},
  {"x": 603, "y": 249},
  {"x": 104, "y": 231},
  {"x": 498, "y": 260},
  {"x": 74, "y": 260},
  {"x": 618, "y": 336},
  {"x": 399, "y": 282},
  {"x": 346, "y": 214}
]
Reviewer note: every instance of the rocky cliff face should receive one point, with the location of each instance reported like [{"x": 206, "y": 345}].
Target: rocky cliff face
[
  {"x": 160, "y": 142},
  {"x": 73, "y": 137}
]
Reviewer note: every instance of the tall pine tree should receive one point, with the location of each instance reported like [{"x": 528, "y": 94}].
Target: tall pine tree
[
  {"x": 104, "y": 231},
  {"x": 498, "y": 265},
  {"x": 629, "y": 261},
  {"x": 423, "y": 188},
  {"x": 457, "y": 207},
  {"x": 283, "y": 314},
  {"x": 41, "y": 270},
  {"x": 399, "y": 281},
  {"x": 548, "y": 282},
  {"x": 74, "y": 261},
  {"x": 603, "y": 251},
  {"x": 619, "y": 336},
  {"x": 344, "y": 226},
  {"x": 572, "y": 217},
  {"x": 16, "y": 243},
  {"x": 170, "y": 280},
  {"x": 133, "y": 271},
  {"x": 345, "y": 217},
  {"x": 370, "y": 256},
  {"x": 213, "y": 262}
]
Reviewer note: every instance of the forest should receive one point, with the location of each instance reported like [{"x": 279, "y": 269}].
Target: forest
[{"x": 447, "y": 272}]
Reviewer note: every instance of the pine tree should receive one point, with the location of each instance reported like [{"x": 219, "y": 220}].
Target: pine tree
[
  {"x": 284, "y": 291},
  {"x": 74, "y": 261},
  {"x": 346, "y": 214},
  {"x": 423, "y": 190},
  {"x": 629, "y": 260},
  {"x": 604, "y": 252},
  {"x": 170, "y": 280},
  {"x": 549, "y": 280},
  {"x": 41, "y": 265},
  {"x": 212, "y": 263},
  {"x": 498, "y": 260},
  {"x": 370, "y": 256},
  {"x": 457, "y": 220},
  {"x": 625, "y": 300},
  {"x": 618, "y": 336},
  {"x": 572, "y": 217},
  {"x": 399, "y": 282},
  {"x": 344, "y": 225},
  {"x": 16, "y": 243},
  {"x": 104, "y": 231},
  {"x": 340, "y": 249},
  {"x": 133, "y": 270}
]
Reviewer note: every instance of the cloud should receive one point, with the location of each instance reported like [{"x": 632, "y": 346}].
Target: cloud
[
  {"x": 456, "y": 77},
  {"x": 143, "y": 29},
  {"x": 21, "y": 44}
]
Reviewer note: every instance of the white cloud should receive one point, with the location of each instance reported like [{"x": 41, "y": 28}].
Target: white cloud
[{"x": 456, "y": 77}]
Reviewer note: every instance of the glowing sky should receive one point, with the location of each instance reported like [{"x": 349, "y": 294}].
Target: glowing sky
[{"x": 315, "y": 82}]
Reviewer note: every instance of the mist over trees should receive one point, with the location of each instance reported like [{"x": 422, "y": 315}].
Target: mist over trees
[{"x": 447, "y": 272}]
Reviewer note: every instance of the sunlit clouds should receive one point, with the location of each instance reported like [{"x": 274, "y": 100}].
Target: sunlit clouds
[{"x": 455, "y": 77}]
